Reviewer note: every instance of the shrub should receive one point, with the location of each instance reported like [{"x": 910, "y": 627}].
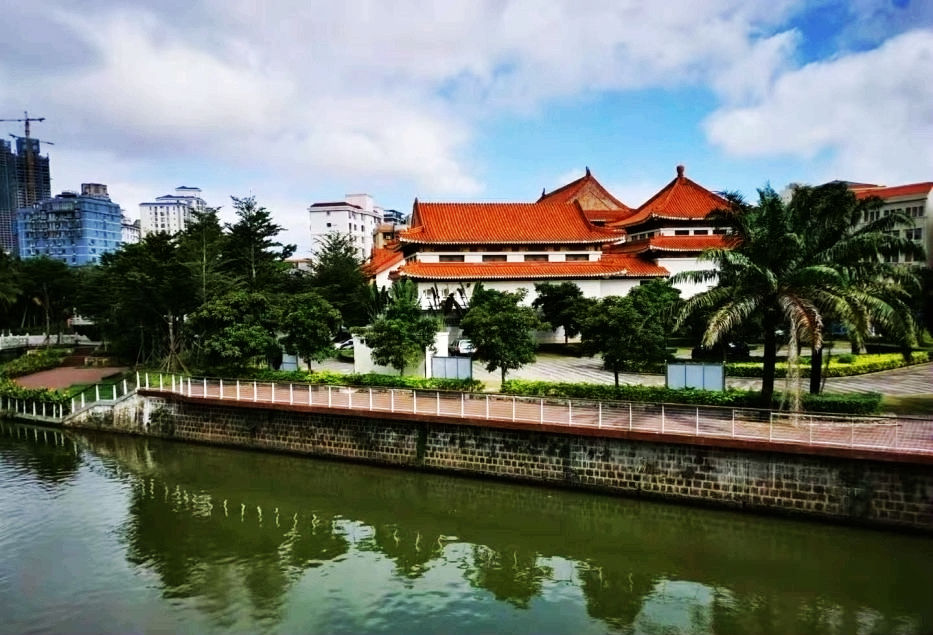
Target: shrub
[
  {"x": 844, "y": 404},
  {"x": 352, "y": 379},
  {"x": 33, "y": 362},
  {"x": 12, "y": 390},
  {"x": 846, "y": 365}
]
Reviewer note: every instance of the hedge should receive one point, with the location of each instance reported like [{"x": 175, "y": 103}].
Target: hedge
[
  {"x": 843, "y": 366},
  {"x": 860, "y": 403},
  {"x": 12, "y": 390},
  {"x": 33, "y": 362},
  {"x": 351, "y": 379}
]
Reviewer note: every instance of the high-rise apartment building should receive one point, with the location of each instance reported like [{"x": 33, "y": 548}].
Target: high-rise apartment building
[
  {"x": 7, "y": 195},
  {"x": 74, "y": 228},
  {"x": 170, "y": 213},
  {"x": 355, "y": 215}
]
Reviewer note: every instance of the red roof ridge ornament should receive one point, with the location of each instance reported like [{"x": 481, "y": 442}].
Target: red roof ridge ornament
[{"x": 680, "y": 171}]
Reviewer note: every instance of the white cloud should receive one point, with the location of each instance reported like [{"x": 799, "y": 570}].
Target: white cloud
[{"x": 872, "y": 111}]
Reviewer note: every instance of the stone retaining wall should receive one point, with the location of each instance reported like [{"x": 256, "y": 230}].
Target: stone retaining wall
[{"x": 856, "y": 490}]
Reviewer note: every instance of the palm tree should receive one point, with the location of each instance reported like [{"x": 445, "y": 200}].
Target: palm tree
[
  {"x": 794, "y": 264},
  {"x": 876, "y": 291}
]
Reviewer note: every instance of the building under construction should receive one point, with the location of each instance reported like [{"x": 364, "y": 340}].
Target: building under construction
[{"x": 24, "y": 179}]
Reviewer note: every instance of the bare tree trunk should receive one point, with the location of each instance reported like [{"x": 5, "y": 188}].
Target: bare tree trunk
[
  {"x": 615, "y": 372},
  {"x": 816, "y": 369},
  {"x": 769, "y": 360}
]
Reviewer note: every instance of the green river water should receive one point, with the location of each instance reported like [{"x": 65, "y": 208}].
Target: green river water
[{"x": 107, "y": 533}]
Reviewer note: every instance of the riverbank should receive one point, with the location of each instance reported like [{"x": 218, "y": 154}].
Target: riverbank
[{"x": 842, "y": 484}]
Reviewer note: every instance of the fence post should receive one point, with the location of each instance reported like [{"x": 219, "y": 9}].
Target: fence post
[
  {"x": 204, "y": 387},
  {"x": 96, "y": 392},
  {"x": 569, "y": 413},
  {"x": 437, "y": 397},
  {"x": 82, "y": 399},
  {"x": 349, "y": 398},
  {"x": 124, "y": 384},
  {"x": 462, "y": 404},
  {"x": 72, "y": 404},
  {"x": 513, "y": 408},
  {"x": 370, "y": 398},
  {"x": 662, "y": 418},
  {"x": 220, "y": 389},
  {"x": 414, "y": 401},
  {"x": 114, "y": 386},
  {"x": 33, "y": 408},
  {"x": 273, "y": 391},
  {"x": 391, "y": 399},
  {"x": 811, "y": 432},
  {"x": 255, "y": 392},
  {"x": 599, "y": 421},
  {"x": 310, "y": 398},
  {"x": 43, "y": 408},
  {"x": 160, "y": 381},
  {"x": 541, "y": 412},
  {"x": 147, "y": 380},
  {"x": 630, "y": 416},
  {"x": 237, "y": 389},
  {"x": 770, "y": 426},
  {"x": 896, "y": 426},
  {"x": 189, "y": 386},
  {"x": 291, "y": 393},
  {"x": 487, "y": 406},
  {"x": 138, "y": 384},
  {"x": 733, "y": 423},
  {"x": 852, "y": 434},
  {"x": 698, "y": 422},
  {"x": 329, "y": 397}
]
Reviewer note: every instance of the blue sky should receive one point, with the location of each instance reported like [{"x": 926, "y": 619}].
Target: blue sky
[{"x": 469, "y": 99}]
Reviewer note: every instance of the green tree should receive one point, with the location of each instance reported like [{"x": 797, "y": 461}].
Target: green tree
[
  {"x": 237, "y": 330},
  {"x": 337, "y": 274},
  {"x": 309, "y": 324},
  {"x": 872, "y": 290},
  {"x": 251, "y": 253},
  {"x": 622, "y": 335},
  {"x": 781, "y": 273},
  {"x": 501, "y": 328},
  {"x": 9, "y": 281},
  {"x": 49, "y": 284},
  {"x": 202, "y": 246},
  {"x": 139, "y": 296},
  {"x": 561, "y": 305},
  {"x": 399, "y": 337}
]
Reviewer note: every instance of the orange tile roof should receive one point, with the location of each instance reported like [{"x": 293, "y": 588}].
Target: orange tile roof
[
  {"x": 681, "y": 199},
  {"x": 608, "y": 216},
  {"x": 910, "y": 189},
  {"x": 609, "y": 266},
  {"x": 383, "y": 259},
  {"x": 568, "y": 193},
  {"x": 503, "y": 223},
  {"x": 674, "y": 243}
]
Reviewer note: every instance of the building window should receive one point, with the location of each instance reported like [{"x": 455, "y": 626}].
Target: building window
[
  {"x": 681, "y": 232},
  {"x": 700, "y": 232},
  {"x": 535, "y": 257},
  {"x": 577, "y": 257},
  {"x": 494, "y": 257},
  {"x": 719, "y": 232},
  {"x": 913, "y": 234},
  {"x": 451, "y": 258}
]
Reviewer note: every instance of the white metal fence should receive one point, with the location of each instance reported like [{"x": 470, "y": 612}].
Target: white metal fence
[{"x": 880, "y": 433}]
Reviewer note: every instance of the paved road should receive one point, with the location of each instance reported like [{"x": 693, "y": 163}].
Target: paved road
[{"x": 913, "y": 380}]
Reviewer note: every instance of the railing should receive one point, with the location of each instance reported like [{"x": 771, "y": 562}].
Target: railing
[
  {"x": 879, "y": 433},
  {"x": 23, "y": 341}
]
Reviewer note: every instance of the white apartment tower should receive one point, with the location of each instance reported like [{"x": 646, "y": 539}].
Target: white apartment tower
[
  {"x": 170, "y": 213},
  {"x": 355, "y": 215}
]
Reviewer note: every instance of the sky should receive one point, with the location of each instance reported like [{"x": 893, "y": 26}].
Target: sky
[{"x": 467, "y": 100}]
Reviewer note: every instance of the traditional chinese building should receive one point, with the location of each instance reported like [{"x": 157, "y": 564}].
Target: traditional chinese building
[{"x": 579, "y": 233}]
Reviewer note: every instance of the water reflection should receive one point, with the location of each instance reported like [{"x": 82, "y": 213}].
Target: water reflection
[{"x": 247, "y": 538}]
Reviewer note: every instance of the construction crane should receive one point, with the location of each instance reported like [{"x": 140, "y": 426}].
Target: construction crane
[{"x": 26, "y": 119}]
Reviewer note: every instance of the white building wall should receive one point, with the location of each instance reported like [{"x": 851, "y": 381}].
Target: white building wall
[
  {"x": 677, "y": 265},
  {"x": 358, "y": 219},
  {"x": 170, "y": 213}
]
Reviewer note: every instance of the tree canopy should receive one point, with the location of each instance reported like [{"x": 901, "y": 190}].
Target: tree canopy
[
  {"x": 401, "y": 334},
  {"x": 501, "y": 328},
  {"x": 561, "y": 305}
]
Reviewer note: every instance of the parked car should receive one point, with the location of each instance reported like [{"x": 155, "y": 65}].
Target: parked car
[
  {"x": 344, "y": 345},
  {"x": 462, "y": 347}
]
